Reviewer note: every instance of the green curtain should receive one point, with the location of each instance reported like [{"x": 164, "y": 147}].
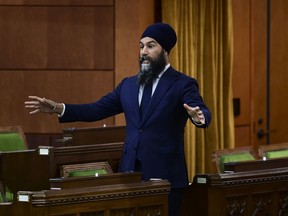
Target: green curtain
[{"x": 204, "y": 51}]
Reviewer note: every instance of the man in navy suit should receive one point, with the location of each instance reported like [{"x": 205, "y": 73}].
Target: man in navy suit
[{"x": 157, "y": 102}]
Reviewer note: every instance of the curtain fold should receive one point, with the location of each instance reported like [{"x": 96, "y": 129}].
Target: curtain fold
[{"x": 205, "y": 51}]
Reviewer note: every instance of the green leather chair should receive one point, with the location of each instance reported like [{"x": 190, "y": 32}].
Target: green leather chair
[
  {"x": 272, "y": 151},
  {"x": 85, "y": 169},
  {"x": 11, "y": 139},
  {"x": 235, "y": 157},
  {"x": 239, "y": 154},
  {"x": 277, "y": 154}
]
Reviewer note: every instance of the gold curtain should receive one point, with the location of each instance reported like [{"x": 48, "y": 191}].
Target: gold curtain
[{"x": 204, "y": 51}]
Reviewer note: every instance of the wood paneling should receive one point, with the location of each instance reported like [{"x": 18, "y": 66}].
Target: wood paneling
[
  {"x": 260, "y": 47},
  {"x": 46, "y": 37},
  {"x": 67, "y": 51},
  {"x": 80, "y": 38},
  {"x": 279, "y": 71},
  {"x": 242, "y": 135},
  {"x": 58, "y": 2},
  {"x": 258, "y": 69},
  {"x": 23, "y": 37},
  {"x": 241, "y": 59}
]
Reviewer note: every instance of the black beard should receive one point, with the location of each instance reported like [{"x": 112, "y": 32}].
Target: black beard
[{"x": 151, "y": 71}]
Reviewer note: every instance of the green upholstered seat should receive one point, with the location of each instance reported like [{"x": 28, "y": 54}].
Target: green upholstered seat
[
  {"x": 235, "y": 157},
  {"x": 92, "y": 172},
  {"x": 276, "y": 153},
  {"x": 85, "y": 169},
  {"x": 11, "y": 139}
]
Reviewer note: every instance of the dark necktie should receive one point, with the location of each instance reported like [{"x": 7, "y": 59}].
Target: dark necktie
[{"x": 145, "y": 98}]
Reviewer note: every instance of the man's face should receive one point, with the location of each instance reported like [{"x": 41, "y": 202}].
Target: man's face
[{"x": 152, "y": 60}]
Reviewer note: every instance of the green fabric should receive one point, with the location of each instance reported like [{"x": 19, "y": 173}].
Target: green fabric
[
  {"x": 11, "y": 142},
  {"x": 9, "y": 197},
  {"x": 87, "y": 172},
  {"x": 277, "y": 153},
  {"x": 244, "y": 156}
]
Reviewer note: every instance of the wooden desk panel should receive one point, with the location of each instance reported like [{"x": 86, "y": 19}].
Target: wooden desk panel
[
  {"x": 86, "y": 136},
  {"x": 110, "y": 152},
  {"x": 140, "y": 198},
  {"x": 256, "y": 165},
  {"x": 102, "y": 180},
  {"x": 263, "y": 192},
  {"x": 28, "y": 170},
  {"x": 111, "y": 194},
  {"x": 25, "y": 170}
]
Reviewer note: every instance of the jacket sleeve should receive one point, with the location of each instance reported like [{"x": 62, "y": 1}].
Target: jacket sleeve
[
  {"x": 192, "y": 97},
  {"x": 105, "y": 107}
]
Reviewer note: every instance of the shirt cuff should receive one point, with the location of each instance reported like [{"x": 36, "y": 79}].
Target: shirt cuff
[
  {"x": 197, "y": 123},
  {"x": 63, "y": 111}
]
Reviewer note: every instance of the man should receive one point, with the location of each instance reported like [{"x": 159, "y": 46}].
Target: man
[{"x": 155, "y": 123}]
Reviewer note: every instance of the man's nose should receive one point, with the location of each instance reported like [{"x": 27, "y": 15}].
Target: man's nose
[{"x": 144, "y": 51}]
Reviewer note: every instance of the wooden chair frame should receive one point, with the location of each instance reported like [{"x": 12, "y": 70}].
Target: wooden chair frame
[{"x": 66, "y": 169}]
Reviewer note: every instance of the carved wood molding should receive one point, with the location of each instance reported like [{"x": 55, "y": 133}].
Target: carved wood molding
[
  {"x": 255, "y": 180},
  {"x": 283, "y": 200},
  {"x": 96, "y": 194},
  {"x": 105, "y": 147},
  {"x": 249, "y": 177}
]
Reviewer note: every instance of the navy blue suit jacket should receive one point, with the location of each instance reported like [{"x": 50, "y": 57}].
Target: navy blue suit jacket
[{"x": 159, "y": 137}]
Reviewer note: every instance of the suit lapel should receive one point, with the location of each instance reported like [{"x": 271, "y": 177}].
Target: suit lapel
[{"x": 134, "y": 96}]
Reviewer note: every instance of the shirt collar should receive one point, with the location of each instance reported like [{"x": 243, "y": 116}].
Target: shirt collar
[{"x": 166, "y": 67}]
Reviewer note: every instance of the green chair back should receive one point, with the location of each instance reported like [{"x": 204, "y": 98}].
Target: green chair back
[
  {"x": 11, "y": 141},
  {"x": 8, "y": 195},
  {"x": 235, "y": 157},
  {"x": 276, "y": 153},
  {"x": 92, "y": 172}
]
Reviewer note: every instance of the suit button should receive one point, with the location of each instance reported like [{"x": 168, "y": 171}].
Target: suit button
[{"x": 140, "y": 130}]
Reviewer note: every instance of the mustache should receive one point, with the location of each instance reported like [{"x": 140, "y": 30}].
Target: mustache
[{"x": 143, "y": 58}]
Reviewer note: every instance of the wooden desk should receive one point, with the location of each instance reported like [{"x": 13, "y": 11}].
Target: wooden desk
[
  {"x": 138, "y": 198},
  {"x": 110, "y": 152},
  {"x": 113, "y": 194},
  {"x": 262, "y": 192},
  {"x": 256, "y": 165},
  {"x": 80, "y": 182},
  {"x": 30, "y": 170},
  {"x": 25, "y": 170},
  {"x": 86, "y": 136}
]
